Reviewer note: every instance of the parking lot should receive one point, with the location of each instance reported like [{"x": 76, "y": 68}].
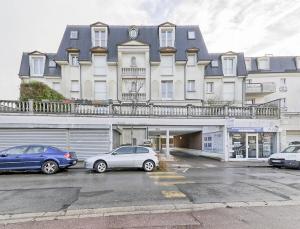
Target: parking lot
[{"x": 189, "y": 180}]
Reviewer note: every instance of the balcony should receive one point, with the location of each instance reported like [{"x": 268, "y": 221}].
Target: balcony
[
  {"x": 134, "y": 97},
  {"x": 133, "y": 72},
  {"x": 260, "y": 88},
  {"x": 138, "y": 110}
]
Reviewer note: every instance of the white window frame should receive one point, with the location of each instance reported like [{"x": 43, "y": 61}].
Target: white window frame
[
  {"x": 191, "y": 86},
  {"x": 40, "y": 68},
  {"x": 169, "y": 39},
  {"x": 210, "y": 87},
  {"x": 104, "y": 93},
  {"x": 71, "y": 60},
  {"x": 167, "y": 89},
  {"x": 58, "y": 89},
  {"x": 167, "y": 70},
  {"x": 102, "y": 40},
  {"x": 263, "y": 63},
  {"x": 52, "y": 64},
  {"x": 248, "y": 63},
  {"x": 298, "y": 62},
  {"x": 215, "y": 63},
  {"x": 75, "y": 88},
  {"x": 233, "y": 95},
  {"x": 191, "y": 60},
  {"x": 208, "y": 143},
  {"x": 74, "y": 34},
  {"x": 283, "y": 85},
  {"x": 191, "y": 35},
  {"x": 229, "y": 69},
  {"x": 100, "y": 69}
]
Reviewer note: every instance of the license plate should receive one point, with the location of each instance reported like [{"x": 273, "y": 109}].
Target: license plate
[{"x": 276, "y": 160}]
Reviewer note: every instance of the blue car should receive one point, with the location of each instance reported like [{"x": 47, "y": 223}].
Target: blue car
[{"x": 48, "y": 159}]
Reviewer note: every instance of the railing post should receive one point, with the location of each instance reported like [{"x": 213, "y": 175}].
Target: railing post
[
  {"x": 30, "y": 106},
  {"x": 226, "y": 111},
  {"x": 72, "y": 107},
  {"x": 150, "y": 109},
  {"x": 189, "y": 110},
  {"x": 253, "y": 112},
  {"x": 110, "y": 110}
]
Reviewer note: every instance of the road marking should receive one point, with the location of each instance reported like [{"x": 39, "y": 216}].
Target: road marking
[
  {"x": 172, "y": 183},
  {"x": 167, "y": 177},
  {"x": 160, "y": 173},
  {"x": 210, "y": 165},
  {"x": 173, "y": 194}
]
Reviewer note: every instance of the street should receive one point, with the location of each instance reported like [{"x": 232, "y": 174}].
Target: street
[{"x": 190, "y": 180}]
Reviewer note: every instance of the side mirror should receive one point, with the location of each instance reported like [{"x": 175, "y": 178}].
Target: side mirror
[{"x": 114, "y": 153}]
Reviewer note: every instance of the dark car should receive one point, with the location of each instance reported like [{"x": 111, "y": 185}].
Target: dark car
[{"x": 48, "y": 159}]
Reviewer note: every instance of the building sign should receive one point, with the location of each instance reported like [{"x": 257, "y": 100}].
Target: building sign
[{"x": 246, "y": 129}]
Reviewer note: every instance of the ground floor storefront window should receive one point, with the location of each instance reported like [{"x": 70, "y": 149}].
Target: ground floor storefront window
[{"x": 252, "y": 145}]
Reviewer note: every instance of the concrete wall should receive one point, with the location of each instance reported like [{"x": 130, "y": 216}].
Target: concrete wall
[{"x": 190, "y": 141}]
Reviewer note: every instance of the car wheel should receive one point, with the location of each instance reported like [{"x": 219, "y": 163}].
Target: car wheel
[
  {"x": 100, "y": 166},
  {"x": 50, "y": 167},
  {"x": 149, "y": 166}
]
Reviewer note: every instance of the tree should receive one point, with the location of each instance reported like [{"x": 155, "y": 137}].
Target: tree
[{"x": 38, "y": 91}]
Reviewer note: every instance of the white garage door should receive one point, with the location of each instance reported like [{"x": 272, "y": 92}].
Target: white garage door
[
  {"x": 15, "y": 137},
  {"x": 292, "y": 136}
]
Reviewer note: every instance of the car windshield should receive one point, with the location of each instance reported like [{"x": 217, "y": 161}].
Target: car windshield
[{"x": 291, "y": 149}]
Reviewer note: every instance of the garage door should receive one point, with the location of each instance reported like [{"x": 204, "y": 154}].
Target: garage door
[
  {"x": 14, "y": 137},
  {"x": 292, "y": 136},
  {"x": 85, "y": 142},
  {"x": 89, "y": 142}
]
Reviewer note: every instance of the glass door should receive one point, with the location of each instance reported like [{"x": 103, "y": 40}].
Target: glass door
[{"x": 252, "y": 146}]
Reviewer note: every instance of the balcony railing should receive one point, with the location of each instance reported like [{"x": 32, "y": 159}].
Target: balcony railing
[
  {"x": 118, "y": 110},
  {"x": 134, "y": 96},
  {"x": 263, "y": 88},
  {"x": 133, "y": 71}
]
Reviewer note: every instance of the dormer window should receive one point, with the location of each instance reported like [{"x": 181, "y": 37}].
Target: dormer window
[
  {"x": 229, "y": 64},
  {"x": 74, "y": 35},
  {"x": 214, "y": 63},
  {"x": 248, "y": 63},
  {"x": 167, "y": 37},
  {"x": 191, "y": 35},
  {"x": 73, "y": 59},
  {"x": 99, "y": 37},
  {"x": 263, "y": 63},
  {"x": 37, "y": 65},
  {"x": 52, "y": 64}
]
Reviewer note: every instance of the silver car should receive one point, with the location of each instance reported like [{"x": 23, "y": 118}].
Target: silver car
[{"x": 124, "y": 157}]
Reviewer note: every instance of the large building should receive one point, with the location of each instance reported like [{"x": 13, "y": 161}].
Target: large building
[{"x": 219, "y": 104}]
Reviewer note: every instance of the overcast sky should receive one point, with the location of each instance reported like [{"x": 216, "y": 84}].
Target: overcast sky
[{"x": 256, "y": 27}]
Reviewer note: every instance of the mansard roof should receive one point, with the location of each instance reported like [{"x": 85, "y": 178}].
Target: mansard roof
[
  {"x": 278, "y": 64},
  {"x": 49, "y": 71},
  {"x": 119, "y": 34},
  {"x": 218, "y": 71}
]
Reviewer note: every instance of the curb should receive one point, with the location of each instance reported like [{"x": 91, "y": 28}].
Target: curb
[{"x": 134, "y": 210}]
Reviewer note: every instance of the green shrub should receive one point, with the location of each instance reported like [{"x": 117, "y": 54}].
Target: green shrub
[{"x": 38, "y": 91}]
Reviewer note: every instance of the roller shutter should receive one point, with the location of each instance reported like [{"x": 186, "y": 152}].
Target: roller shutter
[
  {"x": 15, "y": 137},
  {"x": 89, "y": 142}
]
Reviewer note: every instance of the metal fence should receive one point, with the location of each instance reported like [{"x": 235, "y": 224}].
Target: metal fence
[{"x": 138, "y": 110}]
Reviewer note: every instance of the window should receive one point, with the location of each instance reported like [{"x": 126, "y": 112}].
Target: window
[
  {"x": 141, "y": 150},
  {"x": 100, "y": 38},
  {"x": 100, "y": 90},
  {"x": 125, "y": 150},
  {"x": 248, "y": 63},
  {"x": 16, "y": 150},
  {"x": 74, "y": 34},
  {"x": 292, "y": 149},
  {"x": 210, "y": 87},
  {"x": 283, "y": 86},
  {"x": 73, "y": 60},
  {"x": 35, "y": 149},
  {"x": 167, "y": 89},
  {"x": 191, "y": 35},
  {"x": 228, "y": 66},
  {"x": 166, "y": 38},
  {"x": 191, "y": 86},
  {"x": 228, "y": 91},
  {"x": 37, "y": 66},
  {"x": 298, "y": 62},
  {"x": 100, "y": 65},
  {"x": 52, "y": 64},
  {"x": 263, "y": 63},
  {"x": 56, "y": 86},
  {"x": 214, "y": 63},
  {"x": 208, "y": 143},
  {"x": 191, "y": 60},
  {"x": 133, "y": 62},
  {"x": 75, "y": 86},
  {"x": 167, "y": 65}
]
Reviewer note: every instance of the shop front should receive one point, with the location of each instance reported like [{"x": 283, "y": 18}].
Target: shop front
[{"x": 251, "y": 143}]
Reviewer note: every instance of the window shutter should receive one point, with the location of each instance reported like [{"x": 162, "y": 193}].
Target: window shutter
[{"x": 100, "y": 65}]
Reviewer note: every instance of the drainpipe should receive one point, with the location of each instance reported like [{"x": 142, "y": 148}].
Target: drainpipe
[
  {"x": 80, "y": 80},
  {"x": 149, "y": 81},
  {"x": 117, "y": 71},
  {"x": 184, "y": 83}
]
